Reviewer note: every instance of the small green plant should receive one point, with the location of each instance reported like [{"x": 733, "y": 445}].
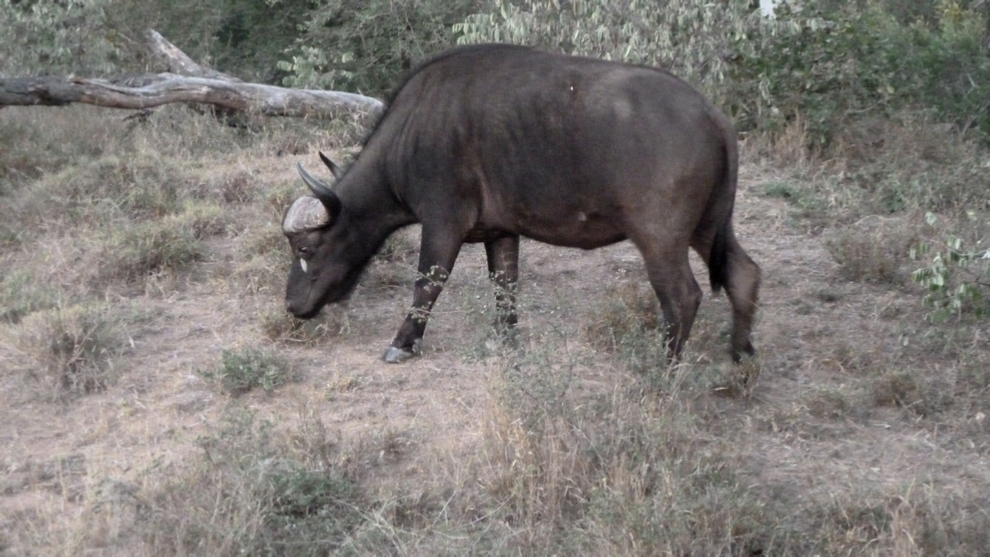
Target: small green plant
[
  {"x": 782, "y": 190},
  {"x": 21, "y": 294},
  {"x": 240, "y": 371},
  {"x": 73, "y": 347},
  {"x": 956, "y": 277}
]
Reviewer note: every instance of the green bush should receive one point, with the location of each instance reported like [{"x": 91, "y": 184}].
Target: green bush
[
  {"x": 956, "y": 274},
  {"x": 367, "y": 45},
  {"x": 48, "y": 37},
  {"x": 244, "y": 38},
  {"x": 833, "y": 66},
  {"x": 692, "y": 38},
  {"x": 239, "y": 371}
]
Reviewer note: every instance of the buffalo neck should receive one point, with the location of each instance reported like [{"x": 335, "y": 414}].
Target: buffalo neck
[{"x": 373, "y": 212}]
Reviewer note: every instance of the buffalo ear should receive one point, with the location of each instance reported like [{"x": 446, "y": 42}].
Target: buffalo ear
[
  {"x": 322, "y": 192},
  {"x": 335, "y": 168}
]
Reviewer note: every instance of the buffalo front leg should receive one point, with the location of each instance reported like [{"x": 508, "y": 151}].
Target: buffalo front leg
[
  {"x": 503, "y": 269},
  {"x": 436, "y": 260}
]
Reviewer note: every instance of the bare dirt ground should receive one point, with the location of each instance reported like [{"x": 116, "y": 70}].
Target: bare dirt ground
[{"x": 809, "y": 427}]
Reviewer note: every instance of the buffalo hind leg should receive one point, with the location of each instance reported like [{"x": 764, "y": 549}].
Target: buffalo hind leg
[
  {"x": 503, "y": 269},
  {"x": 672, "y": 280},
  {"x": 436, "y": 259},
  {"x": 742, "y": 286},
  {"x": 743, "y": 290}
]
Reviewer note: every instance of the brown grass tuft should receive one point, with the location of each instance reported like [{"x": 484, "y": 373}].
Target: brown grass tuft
[
  {"x": 74, "y": 349},
  {"x": 874, "y": 249}
]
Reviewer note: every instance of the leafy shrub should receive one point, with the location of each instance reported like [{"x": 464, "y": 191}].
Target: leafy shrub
[
  {"x": 53, "y": 37},
  {"x": 239, "y": 371},
  {"x": 834, "y": 65},
  {"x": 956, "y": 276},
  {"x": 367, "y": 45},
  {"x": 692, "y": 38}
]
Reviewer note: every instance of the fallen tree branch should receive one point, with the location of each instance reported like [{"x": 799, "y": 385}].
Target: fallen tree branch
[
  {"x": 160, "y": 89},
  {"x": 178, "y": 62},
  {"x": 197, "y": 85}
]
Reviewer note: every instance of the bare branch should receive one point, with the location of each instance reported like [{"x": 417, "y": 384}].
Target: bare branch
[
  {"x": 178, "y": 62},
  {"x": 158, "y": 89}
]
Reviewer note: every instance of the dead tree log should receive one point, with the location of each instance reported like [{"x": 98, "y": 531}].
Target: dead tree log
[
  {"x": 197, "y": 85},
  {"x": 165, "y": 88}
]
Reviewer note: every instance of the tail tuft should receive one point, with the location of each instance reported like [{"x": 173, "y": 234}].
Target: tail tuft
[{"x": 718, "y": 260}]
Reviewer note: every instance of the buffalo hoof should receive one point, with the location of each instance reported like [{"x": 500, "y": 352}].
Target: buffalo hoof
[
  {"x": 396, "y": 355},
  {"x": 509, "y": 337}
]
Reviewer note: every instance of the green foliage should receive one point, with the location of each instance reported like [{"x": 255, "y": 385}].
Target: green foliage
[
  {"x": 367, "y": 45},
  {"x": 239, "y": 371},
  {"x": 833, "y": 66},
  {"x": 956, "y": 277},
  {"x": 94, "y": 37},
  {"x": 689, "y": 37},
  {"x": 21, "y": 294},
  {"x": 244, "y": 38},
  {"x": 46, "y": 37}
]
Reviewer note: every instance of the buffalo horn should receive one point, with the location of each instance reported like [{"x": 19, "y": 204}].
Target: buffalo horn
[
  {"x": 335, "y": 169},
  {"x": 322, "y": 192}
]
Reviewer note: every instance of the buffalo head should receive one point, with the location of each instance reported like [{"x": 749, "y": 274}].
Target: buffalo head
[{"x": 323, "y": 271}]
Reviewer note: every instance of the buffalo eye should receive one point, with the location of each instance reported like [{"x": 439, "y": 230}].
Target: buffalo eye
[{"x": 303, "y": 251}]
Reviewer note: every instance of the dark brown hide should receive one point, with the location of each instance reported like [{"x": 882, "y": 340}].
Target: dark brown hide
[{"x": 490, "y": 143}]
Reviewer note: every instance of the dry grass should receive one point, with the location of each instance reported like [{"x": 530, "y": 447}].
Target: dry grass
[
  {"x": 73, "y": 349},
  {"x": 875, "y": 249},
  {"x": 128, "y": 266}
]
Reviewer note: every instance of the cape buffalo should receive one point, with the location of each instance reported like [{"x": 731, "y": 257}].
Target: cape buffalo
[{"x": 489, "y": 143}]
